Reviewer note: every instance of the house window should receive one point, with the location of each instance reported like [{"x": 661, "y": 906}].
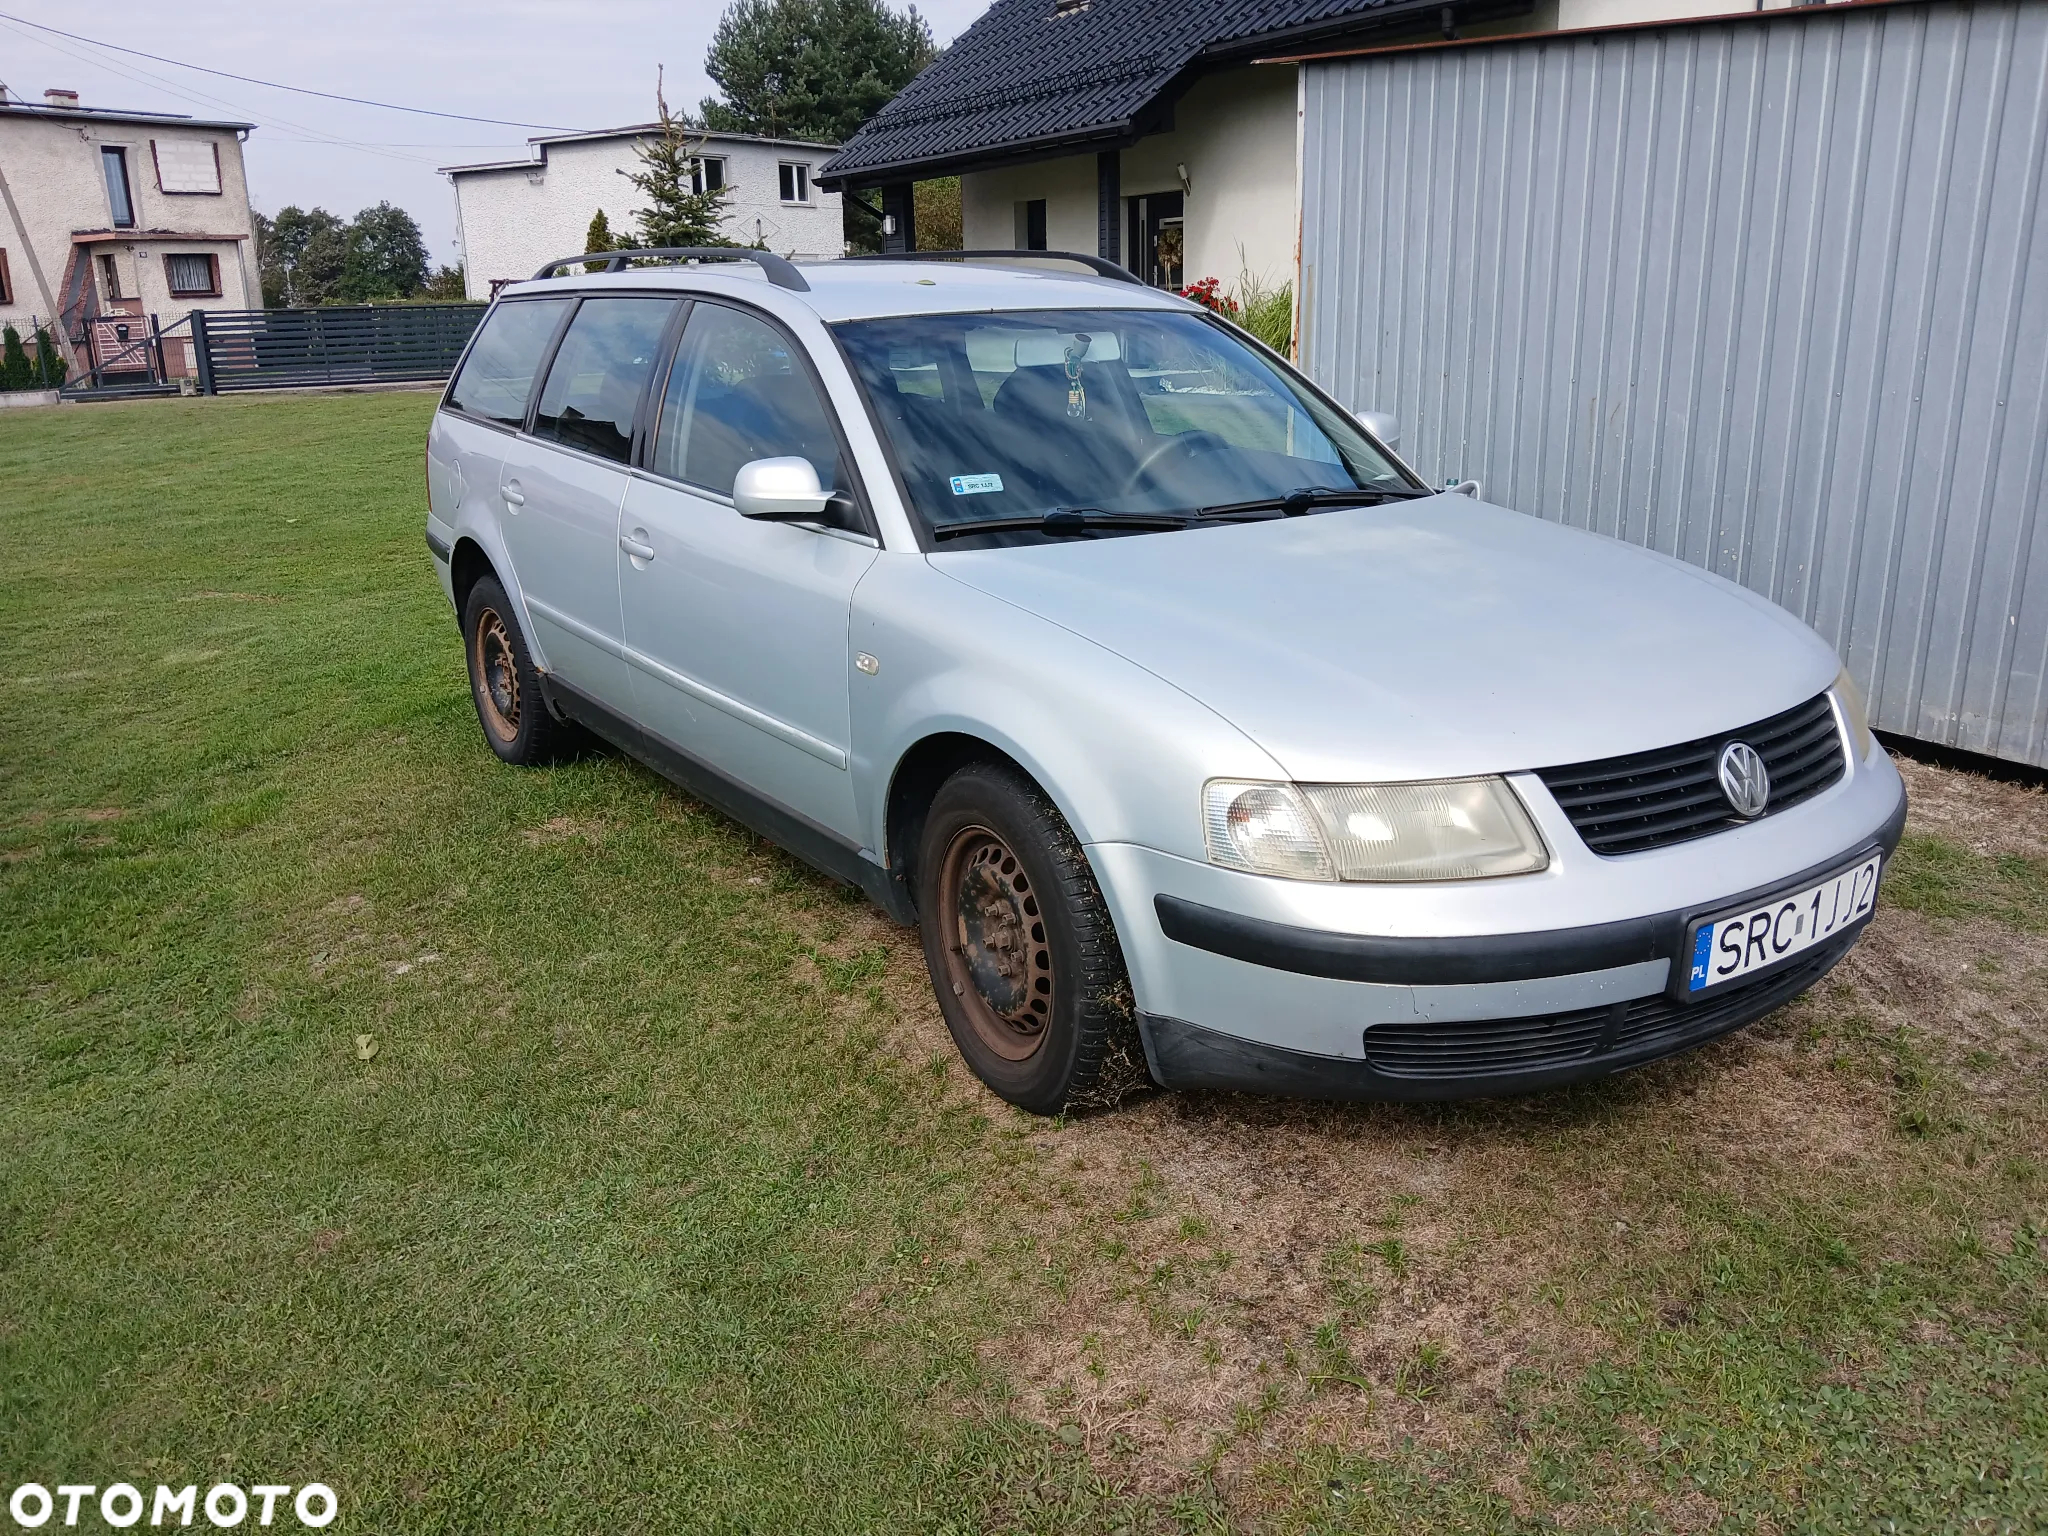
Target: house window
[
  {"x": 707, "y": 175},
  {"x": 6, "y": 289},
  {"x": 194, "y": 276},
  {"x": 796, "y": 183},
  {"x": 186, "y": 167},
  {"x": 115, "y": 163},
  {"x": 110, "y": 279}
]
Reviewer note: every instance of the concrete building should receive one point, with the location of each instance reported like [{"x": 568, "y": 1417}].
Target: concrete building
[
  {"x": 108, "y": 218},
  {"x": 1161, "y": 136},
  {"x": 512, "y": 215}
]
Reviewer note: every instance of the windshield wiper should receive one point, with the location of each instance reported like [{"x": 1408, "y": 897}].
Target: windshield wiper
[
  {"x": 1063, "y": 520},
  {"x": 1308, "y": 497}
]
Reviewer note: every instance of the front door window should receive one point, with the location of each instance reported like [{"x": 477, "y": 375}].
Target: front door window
[{"x": 737, "y": 393}]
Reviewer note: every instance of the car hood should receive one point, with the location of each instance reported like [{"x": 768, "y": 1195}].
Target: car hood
[{"x": 1421, "y": 639}]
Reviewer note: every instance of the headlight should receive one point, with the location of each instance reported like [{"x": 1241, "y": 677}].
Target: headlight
[
  {"x": 1447, "y": 829},
  {"x": 1857, "y": 713},
  {"x": 1265, "y": 828}
]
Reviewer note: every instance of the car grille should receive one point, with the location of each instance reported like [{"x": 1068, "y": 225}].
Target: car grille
[
  {"x": 1654, "y": 799},
  {"x": 1640, "y": 1030}
]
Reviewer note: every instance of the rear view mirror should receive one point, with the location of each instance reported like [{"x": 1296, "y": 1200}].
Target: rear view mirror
[
  {"x": 784, "y": 490},
  {"x": 1381, "y": 426}
]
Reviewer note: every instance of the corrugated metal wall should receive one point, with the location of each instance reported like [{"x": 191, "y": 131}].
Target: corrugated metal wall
[{"x": 1769, "y": 295}]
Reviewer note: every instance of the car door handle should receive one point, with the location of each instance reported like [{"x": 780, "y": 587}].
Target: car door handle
[
  {"x": 637, "y": 547},
  {"x": 515, "y": 496}
]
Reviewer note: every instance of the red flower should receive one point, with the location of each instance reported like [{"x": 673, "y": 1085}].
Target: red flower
[{"x": 1209, "y": 294}]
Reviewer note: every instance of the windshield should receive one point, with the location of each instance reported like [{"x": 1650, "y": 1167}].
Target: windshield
[{"x": 1119, "y": 411}]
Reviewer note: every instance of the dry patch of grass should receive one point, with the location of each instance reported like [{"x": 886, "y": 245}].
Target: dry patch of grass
[
  {"x": 1988, "y": 816},
  {"x": 1207, "y": 1285}
]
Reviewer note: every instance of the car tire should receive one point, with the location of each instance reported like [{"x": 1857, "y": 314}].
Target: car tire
[
  {"x": 1020, "y": 945},
  {"x": 505, "y": 685}
]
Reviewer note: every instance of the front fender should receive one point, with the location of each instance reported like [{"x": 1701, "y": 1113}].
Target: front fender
[{"x": 1122, "y": 753}]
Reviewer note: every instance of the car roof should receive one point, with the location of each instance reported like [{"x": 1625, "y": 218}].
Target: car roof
[{"x": 859, "y": 290}]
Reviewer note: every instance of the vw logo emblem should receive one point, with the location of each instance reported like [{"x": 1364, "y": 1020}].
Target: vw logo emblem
[{"x": 1744, "y": 779}]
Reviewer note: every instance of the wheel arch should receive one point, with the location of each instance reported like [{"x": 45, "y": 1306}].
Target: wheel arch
[
  {"x": 925, "y": 765},
  {"x": 467, "y": 565}
]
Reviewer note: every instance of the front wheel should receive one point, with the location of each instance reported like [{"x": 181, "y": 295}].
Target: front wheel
[{"x": 1021, "y": 948}]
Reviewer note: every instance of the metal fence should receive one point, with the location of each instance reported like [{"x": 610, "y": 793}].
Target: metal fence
[
  {"x": 244, "y": 349},
  {"x": 1768, "y": 294}
]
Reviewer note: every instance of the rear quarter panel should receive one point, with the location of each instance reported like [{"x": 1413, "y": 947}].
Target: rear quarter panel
[{"x": 464, "y": 460}]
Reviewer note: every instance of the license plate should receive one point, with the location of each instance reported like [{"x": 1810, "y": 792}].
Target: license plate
[{"x": 1740, "y": 944}]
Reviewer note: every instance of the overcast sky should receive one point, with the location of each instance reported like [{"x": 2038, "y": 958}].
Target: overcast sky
[{"x": 561, "y": 66}]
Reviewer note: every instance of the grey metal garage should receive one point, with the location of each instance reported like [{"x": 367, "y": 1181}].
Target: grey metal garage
[{"x": 1767, "y": 293}]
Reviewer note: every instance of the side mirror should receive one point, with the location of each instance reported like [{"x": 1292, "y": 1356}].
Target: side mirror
[
  {"x": 1381, "y": 426},
  {"x": 780, "y": 491}
]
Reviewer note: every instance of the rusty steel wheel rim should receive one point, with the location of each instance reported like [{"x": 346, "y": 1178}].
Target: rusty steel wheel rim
[
  {"x": 497, "y": 675},
  {"x": 998, "y": 963}
]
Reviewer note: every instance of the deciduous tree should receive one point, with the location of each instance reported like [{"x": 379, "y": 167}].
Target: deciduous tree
[
  {"x": 308, "y": 256},
  {"x": 448, "y": 285},
  {"x": 302, "y": 253},
  {"x": 386, "y": 258}
]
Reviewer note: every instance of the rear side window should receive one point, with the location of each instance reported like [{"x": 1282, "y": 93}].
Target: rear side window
[
  {"x": 497, "y": 380},
  {"x": 738, "y": 392},
  {"x": 600, "y": 373}
]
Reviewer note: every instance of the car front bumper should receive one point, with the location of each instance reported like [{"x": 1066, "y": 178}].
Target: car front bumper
[{"x": 1389, "y": 992}]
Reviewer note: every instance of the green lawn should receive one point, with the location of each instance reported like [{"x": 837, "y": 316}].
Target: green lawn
[{"x": 655, "y": 1201}]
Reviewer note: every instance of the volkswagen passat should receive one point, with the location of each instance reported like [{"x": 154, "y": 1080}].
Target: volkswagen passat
[{"x": 1190, "y": 726}]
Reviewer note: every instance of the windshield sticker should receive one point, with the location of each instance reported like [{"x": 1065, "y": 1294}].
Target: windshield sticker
[{"x": 976, "y": 485}]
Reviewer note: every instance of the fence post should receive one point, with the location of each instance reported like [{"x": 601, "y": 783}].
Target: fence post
[{"x": 202, "y": 354}]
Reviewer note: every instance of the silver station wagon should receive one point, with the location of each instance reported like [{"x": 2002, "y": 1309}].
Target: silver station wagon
[{"x": 1197, "y": 734}]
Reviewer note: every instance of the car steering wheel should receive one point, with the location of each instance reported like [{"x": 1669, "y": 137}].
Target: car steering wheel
[{"x": 1189, "y": 444}]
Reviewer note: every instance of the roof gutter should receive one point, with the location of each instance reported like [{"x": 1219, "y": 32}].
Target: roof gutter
[
  {"x": 1051, "y": 146},
  {"x": 1779, "y": 13},
  {"x": 1400, "y": 13},
  {"x": 30, "y": 109}
]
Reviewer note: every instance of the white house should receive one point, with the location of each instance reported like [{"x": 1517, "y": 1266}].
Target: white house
[
  {"x": 1160, "y": 135},
  {"x": 512, "y": 215},
  {"x": 108, "y": 218}
]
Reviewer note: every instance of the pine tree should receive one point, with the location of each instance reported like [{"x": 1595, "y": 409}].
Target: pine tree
[
  {"x": 599, "y": 237},
  {"x": 14, "y": 363},
  {"x": 810, "y": 69},
  {"x": 676, "y": 214},
  {"x": 50, "y": 364}
]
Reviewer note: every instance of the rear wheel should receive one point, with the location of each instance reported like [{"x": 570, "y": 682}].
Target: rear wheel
[
  {"x": 1021, "y": 948},
  {"x": 505, "y": 683}
]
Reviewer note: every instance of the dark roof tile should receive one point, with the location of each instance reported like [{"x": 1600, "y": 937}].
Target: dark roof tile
[{"x": 1027, "y": 72}]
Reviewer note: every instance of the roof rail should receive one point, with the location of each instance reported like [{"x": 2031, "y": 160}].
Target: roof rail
[
  {"x": 1100, "y": 266},
  {"x": 777, "y": 269}
]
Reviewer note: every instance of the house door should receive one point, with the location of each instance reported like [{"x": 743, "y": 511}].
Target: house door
[{"x": 1156, "y": 245}]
